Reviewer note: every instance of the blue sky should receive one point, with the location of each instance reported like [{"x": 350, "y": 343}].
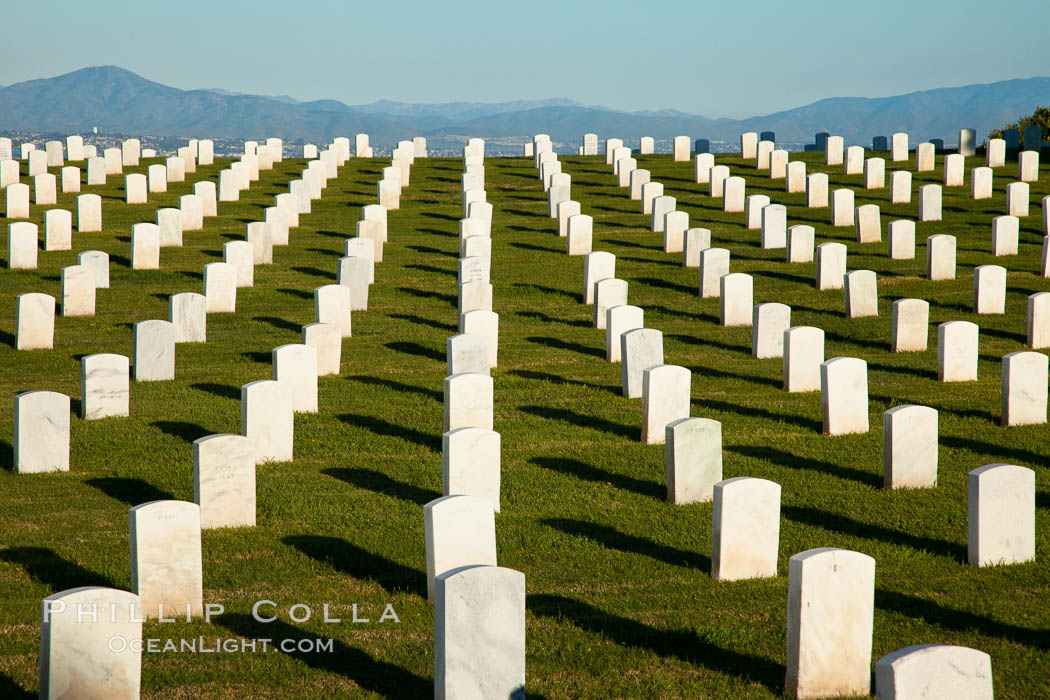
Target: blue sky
[{"x": 721, "y": 59}]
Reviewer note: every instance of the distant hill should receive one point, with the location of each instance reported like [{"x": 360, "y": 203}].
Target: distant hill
[{"x": 117, "y": 100}]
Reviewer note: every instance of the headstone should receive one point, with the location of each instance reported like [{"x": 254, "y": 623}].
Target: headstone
[
  {"x": 468, "y": 402},
  {"x": 899, "y": 146},
  {"x": 910, "y": 325},
  {"x": 364, "y": 248},
  {"x": 114, "y": 164},
  {"x": 833, "y": 151},
  {"x": 35, "y": 321},
  {"x": 769, "y": 322},
  {"x": 467, "y": 353},
  {"x": 267, "y": 419},
  {"x": 590, "y": 144},
  {"x": 229, "y": 187},
  {"x": 327, "y": 340},
  {"x": 224, "y": 481},
  {"x": 981, "y": 183},
  {"x": 831, "y": 265},
  {"x": 736, "y": 299},
  {"x": 967, "y": 142},
  {"x": 98, "y": 263},
  {"x": 842, "y": 207},
  {"x": 555, "y": 196},
  {"x": 476, "y": 246},
  {"x": 1038, "y": 320},
  {"x": 1000, "y": 510},
  {"x": 774, "y": 226},
  {"x": 646, "y": 145},
  {"x": 45, "y": 189},
  {"x": 157, "y": 178},
  {"x": 154, "y": 351},
  {"x": 900, "y": 187},
  {"x": 579, "y": 228},
  {"x": 1017, "y": 195},
  {"x": 75, "y": 147},
  {"x": 131, "y": 150},
  {"x": 803, "y": 358},
  {"x": 745, "y": 529},
  {"x": 479, "y": 633},
  {"x": 1024, "y": 396},
  {"x": 666, "y": 391},
  {"x": 1033, "y": 137},
  {"x": 925, "y": 157},
  {"x": 940, "y": 257},
  {"x": 16, "y": 205},
  {"x": 70, "y": 179},
  {"x": 459, "y": 531},
  {"x": 703, "y": 162},
  {"x": 169, "y": 225},
  {"x": 41, "y": 432},
  {"x": 220, "y": 287},
  {"x": 1012, "y": 137},
  {"x": 623, "y": 169},
  {"x": 188, "y": 313},
  {"x": 800, "y": 243},
  {"x": 474, "y": 296},
  {"x": 861, "y": 289},
  {"x": 295, "y": 366},
  {"x": 470, "y": 464},
  {"x": 692, "y": 459},
  {"x": 909, "y": 447},
  {"x": 817, "y": 190},
  {"x": 486, "y": 324},
  {"x": 354, "y": 274},
  {"x": 989, "y": 289},
  {"x": 104, "y": 385},
  {"x": 953, "y": 170},
  {"x": 640, "y": 349},
  {"x": 874, "y": 173},
  {"x": 753, "y": 206},
  {"x": 135, "y": 188},
  {"x": 89, "y": 213},
  {"x": 676, "y": 223},
  {"x": 796, "y": 177},
  {"x": 166, "y": 566},
  {"x": 145, "y": 246},
  {"x": 1005, "y": 231},
  {"x": 844, "y": 395},
  {"x": 830, "y": 617},
  {"x": 206, "y": 191},
  {"x": 661, "y": 206},
  {"x": 37, "y": 162},
  {"x": 191, "y": 207},
  {"x": 763, "y": 154},
  {"x": 260, "y": 236},
  {"x": 916, "y": 671},
  {"x": 8, "y": 173},
  {"x": 639, "y": 178},
  {"x": 241, "y": 255},
  {"x": 681, "y": 149},
  {"x": 22, "y": 246},
  {"x": 78, "y": 291},
  {"x": 733, "y": 191},
  {"x": 714, "y": 263},
  {"x": 650, "y": 191},
  {"x": 854, "y": 160},
  {"x": 778, "y": 160},
  {"x": 607, "y": 294},
  {"x": 597, "y": 266},
  {"x": 694, "y": 241},
  {"x": 748, "y": 145},
  {"x": 957, "y": 343},
  {"x": 78, "y": 654},
  {"x": 619, "y": 320}
]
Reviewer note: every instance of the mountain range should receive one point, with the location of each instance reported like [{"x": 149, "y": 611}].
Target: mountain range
[{"x": 118, "y": 101}]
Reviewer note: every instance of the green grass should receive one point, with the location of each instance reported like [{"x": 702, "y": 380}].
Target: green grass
[{"x": 620, "y": 601}]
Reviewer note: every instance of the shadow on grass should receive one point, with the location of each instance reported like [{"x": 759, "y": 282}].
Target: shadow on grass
[
  {"x": 994, "y": 452},
  {"x": 849, "y": 526},
  {"x": 13, "y": 691},
  {"x": 181, "y": 429},
  {"x": 665, "y": 284},
  {"x": 914, "y": 371},
  {"x": 382, "y": 427},
  {"x": 223, "y": 390},
  {"x": 431, "y": 268},
  {"x": 557, "y": 379},
  {"x": 45, "y": 566},
  {"x": 129, "y": 490},
  {"x": 550, "y": 290},
  {"x": 540, "y": 316},
  {"x": 723, "y": 374},
  {"x": 297, "y": 293},
  {"x": 378, "y": 482},
  {"x": 279, "y": 323},
  {"x": 726, "y": 407},
  {"x": 681, "y": 644},
  {"x": 371, "y": 674},
  {"x": 359, "y": 563},
  {"x": 7, "y": 452},
  {"x": 438, "y": 396},
  {"x": 786, "y": 459},
  {"x": 426, "y": 322},
  {"x": 416, "y": 349},
  {"x": 259, "y": 356},
  {"x": 612, "y": 538},
  {"x": 432, "y": 251},
  {"x": 581, "y": 420},
  {"x": 587, "y": 472},
  {"x": 566, "y": 345},
  {"x": 958, "y": 620},
  {"x": 450, "y": 299},
  {"x": 315, "y": 272}
]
